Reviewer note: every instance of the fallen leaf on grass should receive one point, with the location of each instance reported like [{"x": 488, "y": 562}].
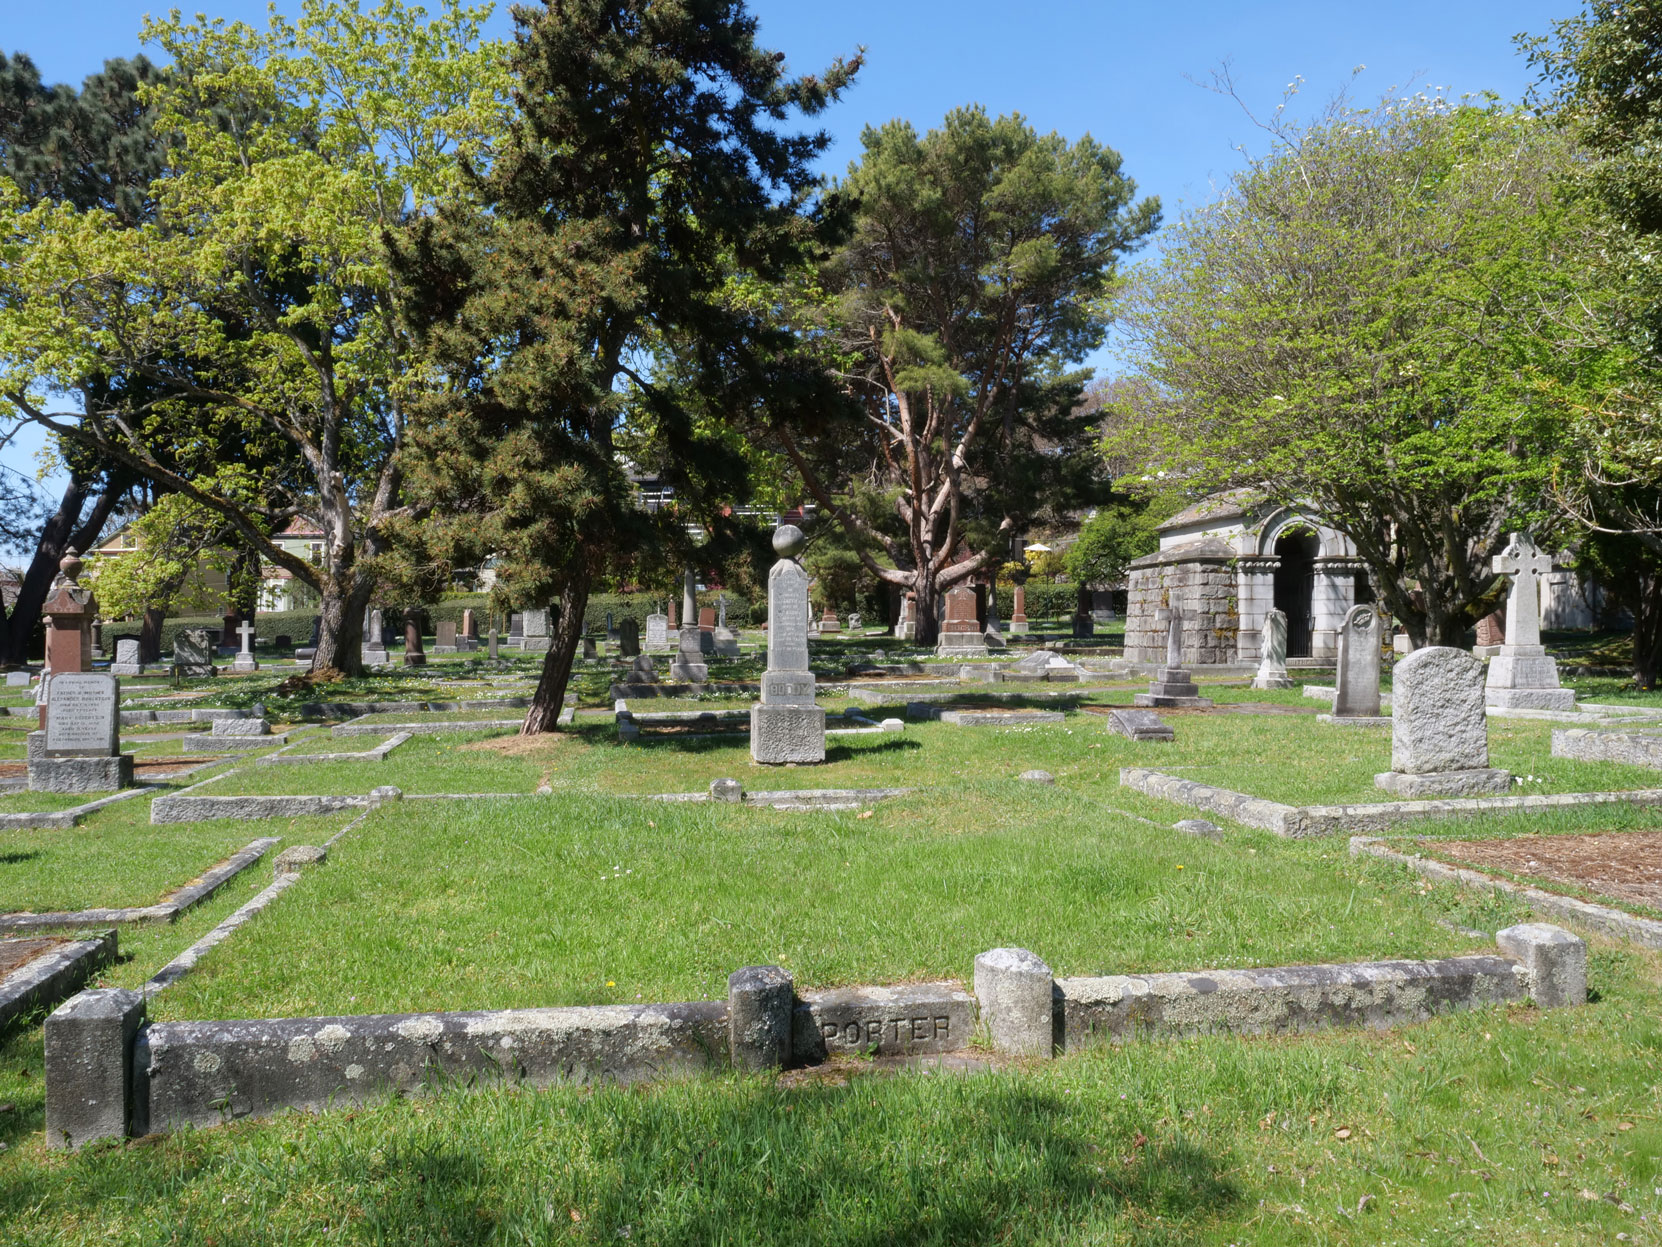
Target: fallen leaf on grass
[{"x": 1343, "y": 1132}]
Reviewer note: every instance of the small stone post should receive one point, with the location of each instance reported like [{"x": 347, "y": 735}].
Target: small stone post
[
  {"x": 1555, "y": 961},
  {"x": 1013, "y": 989},
  {"x": 1018, "y": 612},
  {"x": 89, "y": 1079},
  {"x": 414, "y": 655},
  {"x": 760, "y": 1001}
]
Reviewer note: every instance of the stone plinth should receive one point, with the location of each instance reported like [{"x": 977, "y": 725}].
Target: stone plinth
[
  {"x": 81, "y": 774},
  {"x": 1173, "y": 687},
  {"x": 1477, "y": 782}
]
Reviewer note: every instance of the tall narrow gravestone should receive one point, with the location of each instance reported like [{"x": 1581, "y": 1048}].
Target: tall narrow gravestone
[
  {"x": 786, "y": 725},
  {"x": 1522, "y": 676},
  {"x": 1356, "y": 700},
  {"x": 374, "y": 648},
  {"x": 1272, "y": 660},
  {"x": 1439, "y": 732},
  {"x": 629, "y": 638}
]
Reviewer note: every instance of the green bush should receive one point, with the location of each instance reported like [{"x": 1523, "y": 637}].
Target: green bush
[{"x": 1044, "y": 600}]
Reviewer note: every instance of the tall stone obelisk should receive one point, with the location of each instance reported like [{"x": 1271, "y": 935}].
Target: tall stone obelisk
[{"x": 786, "y": 725}]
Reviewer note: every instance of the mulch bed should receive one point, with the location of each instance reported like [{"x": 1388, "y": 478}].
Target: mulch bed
[
  {"x": 15, "y": 954},
  {"x": 1626, "y": 866}
]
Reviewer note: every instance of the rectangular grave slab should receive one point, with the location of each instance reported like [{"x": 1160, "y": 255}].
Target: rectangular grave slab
[
  {"x": 241, "y": 727},
  {"x": 1140, "y": 725},
  {"x": 909, "y": 1020}
]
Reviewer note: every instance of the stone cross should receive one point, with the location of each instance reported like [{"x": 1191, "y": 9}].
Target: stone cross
[
  {"x": 1172, "y": 617},
  {"x": 1523, "y": 562},
  {"x": 245, "y": 630}
]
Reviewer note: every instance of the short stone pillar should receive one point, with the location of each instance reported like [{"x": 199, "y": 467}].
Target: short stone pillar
[
  {"x": 786, "y": 726},
  {"x": 1554, "y": 960},
  {"x": 373, "y": 652},
  {"x": 89, "y": 1067},
  {"x": 298, "y": 857},
  {"x": 1439, "y": 731},
  {"x": 69, "y": 613},
  {"x": 907, "y": 628},
  {"x": 760, "y": 1004},
  {"x": 470, "y": 624},
  {"x": 729, "y": 791},
  {"x": 1014, "y": 990}
]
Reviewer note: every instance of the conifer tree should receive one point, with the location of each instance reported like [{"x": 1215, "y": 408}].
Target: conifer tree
[{"x": 581, "y": 300}]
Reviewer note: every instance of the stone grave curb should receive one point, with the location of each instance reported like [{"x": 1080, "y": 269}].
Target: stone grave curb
[
  {"x": 788, "y": 798},
  {"x": 1646, "y": 932},
  {"x": 377, "y": 754},
  {"x": 355, "y": 728},
  {"x": 1300, "y": 822},
  {"x": 53, "y": 976},
  {"x": 240, "y": 744},
  {"x": 187, "y": 961},
  {"x": 202, "y": 1073},
  {"x": 1633, "y": 748},
  {"x": 70, "y": 817},
  {"x": 168, "y": 910},
  {"x": 186, "y": 807}
]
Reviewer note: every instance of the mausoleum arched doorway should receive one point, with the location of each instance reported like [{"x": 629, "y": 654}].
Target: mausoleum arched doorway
[{"x": 1295, "y": 588}]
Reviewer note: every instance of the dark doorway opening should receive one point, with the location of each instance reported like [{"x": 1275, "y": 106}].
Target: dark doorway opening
[{"x": 1295, "y": 589}]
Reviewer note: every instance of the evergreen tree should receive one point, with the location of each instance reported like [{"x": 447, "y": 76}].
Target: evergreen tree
[{"x": 582, "y": 300}]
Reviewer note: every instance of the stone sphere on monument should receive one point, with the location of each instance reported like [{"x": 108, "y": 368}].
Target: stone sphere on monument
[{"x": 788, "y": 541}]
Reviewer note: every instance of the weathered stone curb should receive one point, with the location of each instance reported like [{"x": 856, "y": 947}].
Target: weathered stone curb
[
  {"x": 1299, "y": 822},
  {"x": 314, "y": 710},
  {"x": 186, "y": 961},
  {"x": 1646, "y": 932},
  {"x": 377, "y": 754},
  {"x": 1249, "y": 811},
  {"x": 1280, "y": 1001},
  {"x": 785, "y": 798},
  {"x": 239, "y": 744},
  {"x": 167, "y": 910},
  {"x": 70, "y": 817},
  {"x": 55, "y": 975},
  {"x": 427, "y": 729},
  {"x": 1634, "y": 748},
  {"x": 187, "y": 809},
  {"x": 203, "y": 1073}
]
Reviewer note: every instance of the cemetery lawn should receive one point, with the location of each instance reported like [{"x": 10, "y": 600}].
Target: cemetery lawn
[
  {"x": 46, "y": 802},
  {"x": 572, "y": 899},
  {"x": 115, "y": 858},
  {"x": 1497, "y": 1127}
]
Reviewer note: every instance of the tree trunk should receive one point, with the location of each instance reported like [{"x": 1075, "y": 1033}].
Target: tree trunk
[
  {"x": 544, "y": 714},
  {"x": 1647, "y": 631},
  {"x": 63, "y": 530},
  {"x": 150, "y": 634},
  {"x": 926, "y": 612},
  {"x": 340, "y": 632}
]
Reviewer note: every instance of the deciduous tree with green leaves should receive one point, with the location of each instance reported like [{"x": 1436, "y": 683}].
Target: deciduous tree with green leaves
[
  {"x": 1357, "y": 324},
  {"x": 257, "y": 302},
  {"x": 972, "y": 287}
]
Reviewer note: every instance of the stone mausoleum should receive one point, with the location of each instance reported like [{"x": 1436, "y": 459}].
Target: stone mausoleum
[{"x": 1230, "y": 559}]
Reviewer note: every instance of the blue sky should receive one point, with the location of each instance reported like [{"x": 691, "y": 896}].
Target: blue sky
[{"x": 1121, "y": 72}]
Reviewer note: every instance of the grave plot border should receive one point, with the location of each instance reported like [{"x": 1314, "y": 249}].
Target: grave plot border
[
  {"x": 355, "y": 727},
  {"x": 730, "y": 792},
  {"x": 167, "y": 910},
  {"x": 1646, "y": 932},
  {"x": 1592, "y": 745},
  {"x": 377, "y": 754},
  {"x": 189, "y": 806},
  {"x": 981, "y": 718},
  {"x": 1300, "y": 822},
  {"x": 111, "y": 1073},
  {"x": 71, "y": 817},
  {"x": 54, "y": 976}
]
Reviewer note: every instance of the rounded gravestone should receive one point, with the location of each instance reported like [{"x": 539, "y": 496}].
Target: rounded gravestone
[
  {"x": 1438, "y": 721},
  {"x": 788, "y": 541}
]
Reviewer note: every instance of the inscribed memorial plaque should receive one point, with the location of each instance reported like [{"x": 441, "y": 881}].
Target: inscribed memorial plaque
[{"x": 81, "y": 715}]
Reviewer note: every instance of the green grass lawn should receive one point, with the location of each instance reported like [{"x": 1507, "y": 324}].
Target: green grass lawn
[
  {"x": 115, "y": 858},
  {"x": 1498, "y": 1127},
  {"x": 45, "y": 802}
]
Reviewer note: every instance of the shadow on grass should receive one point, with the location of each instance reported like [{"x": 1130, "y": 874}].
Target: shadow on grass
[
  {"x": 918, "y": 1160},
  {"x": 12, "y": 859}
]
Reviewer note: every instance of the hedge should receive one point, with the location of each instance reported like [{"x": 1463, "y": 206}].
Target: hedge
[{"x": 268, "y": 626}]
